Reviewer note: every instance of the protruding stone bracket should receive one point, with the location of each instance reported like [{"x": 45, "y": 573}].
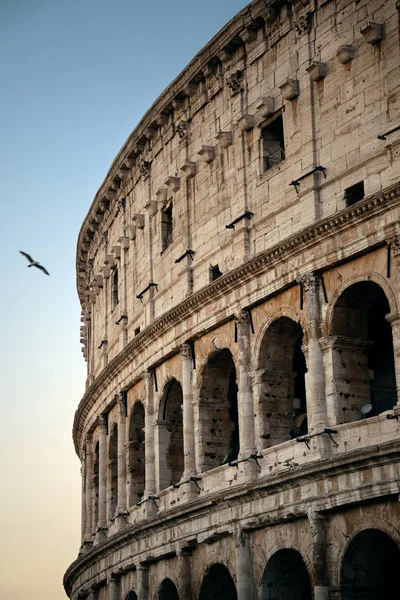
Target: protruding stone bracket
[
  {"x": 346, "y": 53},
  {"x": 290, "y": 89},
  {"x": 106, "y": 272},
  {"x": 191, "y": 89},
  {"x": 99, "y": 280},
  {"x": 162, "y": 119},
  {"x": 109, "y": 261},
  {"x": 266, "y": 107},
  {"x": 207, "y": 153},
  {"x": 317, "y": 70},
  {"x": 225, "y": 138},
  {"x": 162, "y": 195},
  {"x": 173, "y": 182},
  {"x": 189, "y": 168},
  {"x": 138, "y": 219},
  {"x": 246, "y": 122},
  {"x": 131, "y": 231},
  {"x": 373, "y": 33},
  {"x": 152, "y": 207},
  {"x": 249, "y": 34},
  {"x": 124, "y": 241},
  {"x": 116, "y": 250}
]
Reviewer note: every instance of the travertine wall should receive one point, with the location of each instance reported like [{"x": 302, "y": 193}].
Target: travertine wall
[{"x": 221, "y": 433}]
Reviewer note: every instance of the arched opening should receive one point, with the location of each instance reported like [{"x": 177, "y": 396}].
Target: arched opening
[
  {"x": 218, "y": 584},
  {"x": 136, "y": 455},
  {"x": 219, "y": 422},
  {"x": 113, "y": 472},
  {"x": 168, "y": 591},
  {"x": 362, "y": 353},
  {"x": 96, "y": 487},
  {"x": 285, "y": 577},
  {"x": 170, "y": 435},
  {"x": 281, "y": 390},
  {"x": 131, "y": 595},
  {"x": 369, "y": 569}
]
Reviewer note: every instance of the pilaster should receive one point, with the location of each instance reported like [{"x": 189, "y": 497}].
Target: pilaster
[
  {"x": 188, "y": 413},
  {"x": 142, "y": 578},
  {"x": 102, "y": 427},
  {"x": 150, "y": 481},
  {"x": 121, "y": 503},
  {"x": 245, "y": 392},
  {"x": 244, "y": 565}
]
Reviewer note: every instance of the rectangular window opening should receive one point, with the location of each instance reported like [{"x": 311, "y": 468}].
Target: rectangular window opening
[
  {"x": 354, "y": 193},
  {"x": 114, "y": 289},
  {"x": 214, "y": 272},
  {"x": 166, "y": 227},
  {"x": 273, "y": 143}
]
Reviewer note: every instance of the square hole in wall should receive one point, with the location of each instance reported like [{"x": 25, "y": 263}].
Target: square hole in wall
[
  {"x": 273, "y": 143},
  {"x": 214, "y": 272},
  {"x": 354, "y": 193}
]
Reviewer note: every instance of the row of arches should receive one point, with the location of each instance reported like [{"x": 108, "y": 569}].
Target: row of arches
[{"x": 368, "y": 572}]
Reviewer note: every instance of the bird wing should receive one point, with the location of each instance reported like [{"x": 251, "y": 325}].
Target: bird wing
[
  {"x": 42, "y": 269},
  {"x": 27, "y": 256}
]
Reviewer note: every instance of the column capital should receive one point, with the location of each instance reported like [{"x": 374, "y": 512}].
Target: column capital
[
  {"x": 89, "y": 439},
  {"x": 393, "y": 318},
  {"x": 113, "y": 578},
  {"x": 309, "y": 282},
  {"x": 394, "y": 243},
  {"x": 242, "y": 318},
  {"x": 120, "y": 397},
  {"x": 102, "y": 422},
  {"x": 186, "y": 351}
]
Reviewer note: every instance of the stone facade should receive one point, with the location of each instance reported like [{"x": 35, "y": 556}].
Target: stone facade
[{"x": 239, "y": 275}]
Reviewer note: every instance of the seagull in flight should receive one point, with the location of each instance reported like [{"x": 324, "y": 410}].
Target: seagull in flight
[{"x": 34, "y": 263}]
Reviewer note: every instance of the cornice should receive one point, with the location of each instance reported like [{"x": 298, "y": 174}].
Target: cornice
[
  {"x": 253, "y": 14},
  {"x": 373, "y": 456},
  {"x": 292, "y": 246}
]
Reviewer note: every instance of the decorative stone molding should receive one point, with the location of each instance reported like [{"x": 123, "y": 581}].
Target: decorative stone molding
[
  {"x": 373, "y": 33},
  {"x": 102, "y": 421},
  {"x": 144, "y": 169},
  {"x": 138, "y": 219},
  {"x": 234, "y": 82},
  {"x": 131, "y": 231},
  {"x": 346, "y": 53},
  {"x": 290, "y": 89},
  {"x": 207, "y": 153},
  {"x": 189, "y": 168},
  {"x": 152, "y": 207},
  {"x": 246, "y": 122},
  {"x": 186, "y": 351},
  {"x": 317, "y": 70},
  {"x": 173, "y": 182},
  {"x": 266, "y": 107},
  {"x": 225, "y": 138},
  {"x": 182, "y": 129}
]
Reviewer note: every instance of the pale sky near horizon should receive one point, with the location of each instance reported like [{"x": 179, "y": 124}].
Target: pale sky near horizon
[{"x": 76, "y": 77}]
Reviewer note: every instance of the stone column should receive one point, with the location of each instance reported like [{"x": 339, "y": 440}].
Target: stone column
[
  {"x": 315, "y": 380},
  {"x": 188, "y": 414},
  {"x": 102, "y": 520},
  {"x": 91, "y": 594},
  {"x": 121, "y": 503},
  {"x": 113, "y": 588},
  {"x": 244, "y": 565},
  {"x": 142, "y": 581},
  {"x": 150, "y": 475},
  {"x": 319, "y": 554},
  {"x": 84, "y": 515},
  {"x": 245, "y": 392},
  {"x": 185, "y": 576},
  {"x": 89, "y": 488},
  {"x": 394, "y": 320}
]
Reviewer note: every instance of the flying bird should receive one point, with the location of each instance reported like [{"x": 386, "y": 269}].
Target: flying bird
[{"x": 34, "y": 263}]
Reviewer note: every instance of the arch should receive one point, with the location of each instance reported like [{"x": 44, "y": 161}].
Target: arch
[
  {"x": 167, "y": 590},
  {"x": 280, "y": 389},
  {"x": 285, "y": 577},
  {"x": 113, "y": 471},
  {"x": 136, "y": 454},
  {"x": 218, "y": 584},
  {"x": 284, "y": 311},
  {"x": 218, "y": 411},
  {"x": 131, "y": 595},
  {"x": 362, "y": 357},
  {"x": 170, "y": 435},
  {"x": 369, "y": 567}
]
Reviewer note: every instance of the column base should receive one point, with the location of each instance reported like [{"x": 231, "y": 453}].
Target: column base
[{"x": 321, "y": 592}]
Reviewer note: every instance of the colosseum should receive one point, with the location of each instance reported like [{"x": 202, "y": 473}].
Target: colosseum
[{"x": 239, "y": 276}]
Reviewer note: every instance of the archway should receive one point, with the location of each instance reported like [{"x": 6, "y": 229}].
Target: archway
[
  {"x": 131, "y": 595},
  {"x": 362, "y": 353},
  {"x": 168, "y": 590},
  {"x": 218, "y": 584},
  {"x": 170, "y": 435},
  {"x": 96, "y": 487},
  {"x": 369, "y": 569},
  {"x": 219, "y": 422},
  {"x": 281, "y": 389},
  {"x": 136, "y": 454},
  {"x": 113, "y": 472},
  {"x": 285, "y": 577}
]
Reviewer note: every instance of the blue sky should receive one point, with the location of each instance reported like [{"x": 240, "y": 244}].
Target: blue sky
[{"x": 76, "y": 77}]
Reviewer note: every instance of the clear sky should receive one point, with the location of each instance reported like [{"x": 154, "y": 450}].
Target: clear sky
[{"x": 76, "y": 77}]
